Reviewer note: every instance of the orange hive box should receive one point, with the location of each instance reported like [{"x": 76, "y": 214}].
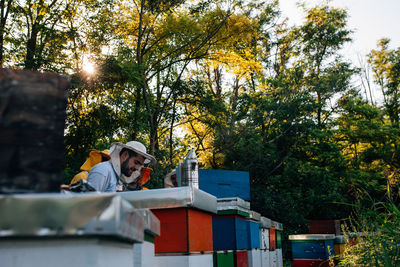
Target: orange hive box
[
  {"x": 184, "y": 230},
  {"x": 272, "y": 239}
]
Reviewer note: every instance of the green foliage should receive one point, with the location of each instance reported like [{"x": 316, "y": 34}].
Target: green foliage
[
  {"x": 386, "y": 68},
  {"x": 376, "y": 228}
]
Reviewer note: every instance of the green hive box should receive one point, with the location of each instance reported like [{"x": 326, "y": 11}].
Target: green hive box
[
  {"x": 278, "y": 239},
  {"x": 223, "y": 259}
]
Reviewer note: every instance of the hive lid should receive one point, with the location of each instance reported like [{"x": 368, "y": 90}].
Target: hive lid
[
  {"x": 233, "y": 210},
  {"x": 151, "y": 222},
  {"x": 339, "y": 239},
  {"x": 234, "y": 205},
  {"x": 265, "y": 222},
  {"x": 233, "y": 201},
  {"x": 312, "y": 237},
  {"x": 255, "y": 216},
  {"x": 278, "y": 226},
  {"x": 176, "y": 197},
  {"x": 56, "y": 215}
]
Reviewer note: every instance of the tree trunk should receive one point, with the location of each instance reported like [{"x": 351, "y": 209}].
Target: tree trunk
[
  {"x": 3, "y": 20},
  {"x": 136, "y": 114},
  {"x": 32, "y": 122},
  {"x": 1, "y": 48},
  {"x": 171, "y": 130},
  {"x": 31, "y": 49}
]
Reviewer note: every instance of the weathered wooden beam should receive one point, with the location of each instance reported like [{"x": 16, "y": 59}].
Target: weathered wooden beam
[{"x": 32, "y": 120}]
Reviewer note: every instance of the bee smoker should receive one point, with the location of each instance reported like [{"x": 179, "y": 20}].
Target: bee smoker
[{"x": 189, "y": 170}]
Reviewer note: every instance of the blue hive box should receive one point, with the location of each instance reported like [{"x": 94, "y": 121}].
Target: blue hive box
[
  {"x": 225, "y": 183},
  {"x": 253, "y": 234},
  {"x": 230, "y": 233},
  {"x": 312, "y": 246}
]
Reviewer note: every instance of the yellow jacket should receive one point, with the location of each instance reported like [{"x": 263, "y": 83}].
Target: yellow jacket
[{"x": 95, "y": 157}]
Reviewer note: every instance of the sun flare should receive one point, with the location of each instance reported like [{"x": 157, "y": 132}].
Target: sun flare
[{"x": 88, "y": 66}]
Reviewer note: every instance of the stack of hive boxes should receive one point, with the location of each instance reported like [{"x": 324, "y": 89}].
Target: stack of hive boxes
[
  {"x": 230, "y": 229},
  {"x": 200, "y": 228},
  {"x": 241, "y": 236},
  {"x": 319, "y": 246},
  {"x": 275, "y": 238},
  {"x": 312, "y": 249},
  {"x": 272, "y": 245},
  {"x": 265, "y": 226},
  {"x": 278, "y": 232},
  {"x": 185, "y": 215},
  {"x": 231, "y": 232},
  {"x": 254, "y": 251}
]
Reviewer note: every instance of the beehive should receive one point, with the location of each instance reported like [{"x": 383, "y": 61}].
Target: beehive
[{"x": 184, "y": 230}]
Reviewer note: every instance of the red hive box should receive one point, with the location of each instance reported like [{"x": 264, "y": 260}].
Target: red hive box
[
  {"x": 324, "y": 227},
  {"x": 183, "y": 230},
  {"x": 310, "y": 263},
  {"x": 241, "y": 258},
  {"x": 272, "y": 239}
]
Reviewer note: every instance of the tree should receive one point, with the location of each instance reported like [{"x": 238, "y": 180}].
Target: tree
[
  {"x": 40, "y": 33},
  {"x": 224, "y": 78},
  {"x": 365, "y": 140},
  {"x": 166, "y": 38},
  {"x": 321, "y": 37},
  {"x": 5, "y": 8},
  {"x": 385, "y": 66}
]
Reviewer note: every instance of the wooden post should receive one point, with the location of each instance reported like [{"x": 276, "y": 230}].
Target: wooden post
[{"x": 32, "y": 120}]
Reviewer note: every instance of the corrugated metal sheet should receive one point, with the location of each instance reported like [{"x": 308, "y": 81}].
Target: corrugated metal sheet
[
  {"x": 151, "y": 222},
  {"x": 69, "y": 215},
  {"x": 172, "y": 198}
]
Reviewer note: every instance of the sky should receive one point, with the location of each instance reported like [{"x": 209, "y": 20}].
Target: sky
[{"x": 370, "y": 20}]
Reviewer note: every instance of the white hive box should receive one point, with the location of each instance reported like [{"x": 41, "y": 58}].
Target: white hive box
[
  {"x": 254, "y": 256},
  {"x": 279, "y": 257},
  {"x": 47, "y": 230},
  {"x": 193, "y": 260},
  {"x": 273, "y": 258}
]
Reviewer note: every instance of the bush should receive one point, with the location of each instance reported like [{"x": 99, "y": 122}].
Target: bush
[{"x": 378, "y": 235}]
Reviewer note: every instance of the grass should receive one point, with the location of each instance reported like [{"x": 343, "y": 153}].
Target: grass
[{"x": 376, "y": 241}]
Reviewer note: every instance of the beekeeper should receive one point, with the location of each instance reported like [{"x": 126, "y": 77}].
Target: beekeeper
[
  {"x": 170, "y": 180},
  {"x": 122, "y": 169}
]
